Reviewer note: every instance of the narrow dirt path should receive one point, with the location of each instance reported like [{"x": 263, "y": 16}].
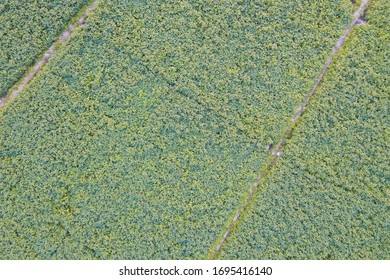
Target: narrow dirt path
[
  {"x": 38, "y": 66},
  {"x": 277, "y": 151}
]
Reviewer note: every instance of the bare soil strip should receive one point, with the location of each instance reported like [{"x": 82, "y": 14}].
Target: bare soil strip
[
  {"x": 277, "y": 151},
  {"x": 38, "y": 66}
]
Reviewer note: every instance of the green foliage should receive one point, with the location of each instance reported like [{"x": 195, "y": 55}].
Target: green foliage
[
  {"x": 144, "y": 130},
  {"x": 27, "y": 29},
  {"x": 329, "y": 196}
]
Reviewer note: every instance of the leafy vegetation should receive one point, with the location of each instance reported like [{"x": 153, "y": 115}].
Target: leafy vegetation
[
  {"x": 329, "y": 195},
  {"x": 145, "y": 129},
  {"x": 27, "y": 29}
]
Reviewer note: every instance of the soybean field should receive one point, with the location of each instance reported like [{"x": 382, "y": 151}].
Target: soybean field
[
  {"x": 27, "y": 29},
  {"x": 330, "y": 194},
  {"x": 142, "y": 134}
]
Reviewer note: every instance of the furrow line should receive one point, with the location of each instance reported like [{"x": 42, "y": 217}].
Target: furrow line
[{"x": 277, "y": 151}]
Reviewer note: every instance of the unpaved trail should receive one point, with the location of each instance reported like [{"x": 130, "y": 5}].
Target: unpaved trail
[
  {"x": 277, "y": 151},
  {"x": 47, "y": 55}
]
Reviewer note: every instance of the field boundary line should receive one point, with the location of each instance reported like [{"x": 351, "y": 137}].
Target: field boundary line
[
  {"x": 277, "y": 151},
  {"x": 30, "y": 74}
]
